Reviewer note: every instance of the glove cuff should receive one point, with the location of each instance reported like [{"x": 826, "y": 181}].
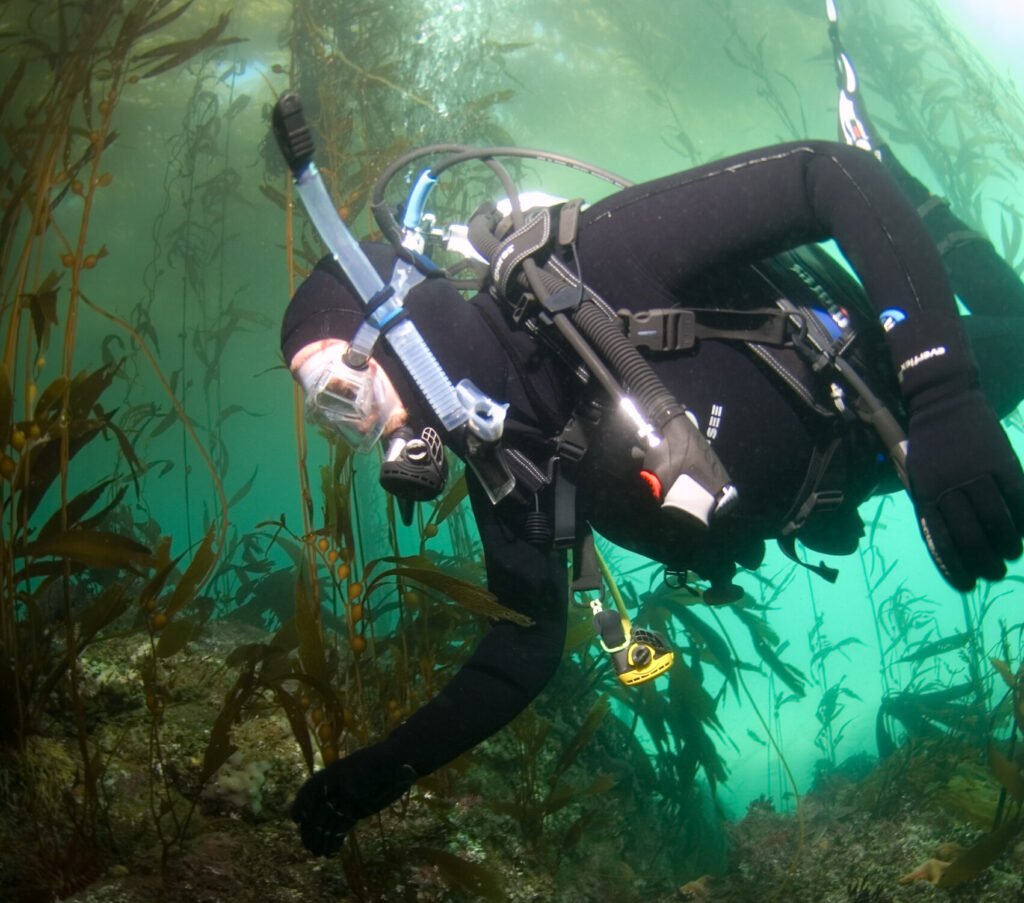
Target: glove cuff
[{"x": 932, "y": 358}]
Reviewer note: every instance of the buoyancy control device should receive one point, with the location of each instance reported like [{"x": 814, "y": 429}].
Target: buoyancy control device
[{"x": 514, "y": 260}]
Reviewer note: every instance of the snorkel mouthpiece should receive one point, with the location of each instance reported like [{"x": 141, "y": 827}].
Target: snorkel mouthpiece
[{"x": 414, "y": 467}]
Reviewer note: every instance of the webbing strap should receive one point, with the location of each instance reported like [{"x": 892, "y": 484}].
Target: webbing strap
[
  {"x": 677, "y": 328},
  {"x": 788, "y": 546},
  {"x": 814, "y": 497},
  {"x": 565, "y": 508},
  {"x": 950, "y": 240},
  {"x": 957, "y": 239},
  {"x": 571, "y": 446},
  {"x": 586, "y": 574}
]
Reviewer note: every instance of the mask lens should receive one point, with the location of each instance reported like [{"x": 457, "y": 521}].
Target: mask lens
[
  {"x": 344, "y": 394},
  {"x": 354, "y": 403}
]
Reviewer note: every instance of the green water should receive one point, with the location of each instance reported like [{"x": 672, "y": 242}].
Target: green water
[{"x": 197, "y": 265}]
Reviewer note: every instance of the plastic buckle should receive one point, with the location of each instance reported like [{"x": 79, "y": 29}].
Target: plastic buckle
[
  {"x": 662, "y": 329},
  {"x": 826, "y": 500},
  {"x": 567, "y": 298},
  {"x": 569, "y": 221},
  {"x": 521, "y": 310},
  {"x": 571, "y": 444}
]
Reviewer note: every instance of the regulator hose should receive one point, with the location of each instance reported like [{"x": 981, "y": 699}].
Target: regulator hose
[
  {"x": 605, "y": 333},
  {"x": 655, "y": 400}
]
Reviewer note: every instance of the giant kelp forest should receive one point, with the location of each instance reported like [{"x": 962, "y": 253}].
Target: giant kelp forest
[{"x": 202, "y": 598}]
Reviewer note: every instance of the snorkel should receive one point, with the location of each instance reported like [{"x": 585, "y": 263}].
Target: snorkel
[
  {"x": 383, "y": 303},
  {"x": 455, "y": 407},
  {"x": 678, "y": 464}
]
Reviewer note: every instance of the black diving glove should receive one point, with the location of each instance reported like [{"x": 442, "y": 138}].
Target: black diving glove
[
  {"x": 965, "y": 481},
  {"x": 967, "y": 487},
  {"x": 329, "y": 804}
]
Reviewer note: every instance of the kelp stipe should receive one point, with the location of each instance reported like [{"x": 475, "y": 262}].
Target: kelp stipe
[
  {"x": 374, "y": 636},
  {"x": 680, "y": 716},
  {"x": 831, "y": 706},
  {"x": 950, "y": 715},
  {"x": 775, "y": 88},
  {"x": 68, "y": 574},
  {"x": 189, "y": 264},
  {"x": 963, "y": 864},
  {"x": 535, "y": 796}
]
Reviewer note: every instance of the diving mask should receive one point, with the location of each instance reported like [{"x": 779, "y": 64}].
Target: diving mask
[{"x": 357, "y": 403}]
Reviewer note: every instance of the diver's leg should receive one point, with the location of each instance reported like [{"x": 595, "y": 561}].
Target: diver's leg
[
  {"x": 998, "y": 344},
  {"x": 984, "y": 282}
]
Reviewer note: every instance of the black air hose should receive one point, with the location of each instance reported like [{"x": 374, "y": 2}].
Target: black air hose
[
  {"x": 480, "y": 230},
  {"x": 604, "y": 333},
  {"x": 623, "y": 359},
  {"x": 687, "y": 475},
  {"x": 655, "y": 400}
]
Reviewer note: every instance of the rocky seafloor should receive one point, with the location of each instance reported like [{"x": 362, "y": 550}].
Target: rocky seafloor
[{"x": 865, "y": 833}]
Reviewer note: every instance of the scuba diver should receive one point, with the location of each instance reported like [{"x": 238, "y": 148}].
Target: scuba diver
[{"x": 681, "y": 369}]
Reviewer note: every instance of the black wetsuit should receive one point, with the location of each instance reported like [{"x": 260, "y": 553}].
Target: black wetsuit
[{"x": 690, "y": 239}]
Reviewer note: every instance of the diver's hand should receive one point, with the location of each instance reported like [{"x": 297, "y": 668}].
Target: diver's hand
[
  {"x": 329, "y": 804},
  {"x": 967, "y": 487}
]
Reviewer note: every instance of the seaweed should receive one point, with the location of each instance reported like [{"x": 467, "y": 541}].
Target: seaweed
[
  {"x": 70, "y": 575},
  {"x": 946, "y": 102},
  {"x": 536, "y": 795},
  {"x": 776, "y": 88},
  {"x": 361, "y": 619},
  {"x": 473, "y": 877}
]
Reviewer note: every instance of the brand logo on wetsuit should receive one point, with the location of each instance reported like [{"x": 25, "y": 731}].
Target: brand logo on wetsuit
[
  {"x": 808, "y": 279},
  {"x": 912, "y": 362},
  {"x": 891, "y": 317}
]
